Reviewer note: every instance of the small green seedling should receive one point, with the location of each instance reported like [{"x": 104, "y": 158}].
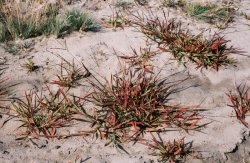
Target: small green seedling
[{"x": 30, "y": 66}]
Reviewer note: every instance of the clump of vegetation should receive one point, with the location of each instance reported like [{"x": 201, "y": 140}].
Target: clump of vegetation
[
  {"x": 142, "y": 2},
  {"x": 16, "y": 48},
  {"x": 141, "y": 60},
  {"x": 173, "y": 3},
  {"x": 175, "y": 151},
  {"x": 211, "y": 13},
  {"x": 116, "y": 20},
  {"x": 16, "y": 22},
  {"x": 240, "y": 102},
  {"x": 186, "y": 47},
  {"x": 30, "y": 66},
  {"x": 124, "y": 4},
  {"x": 75, "y": 20},
  {"x": 136, "y": 102},
  {"x": 41, "y": 115},
  {"x": 70, "y": 74},
  {"x": 220, "y": 15},
  {"x": 12, "y": 48}
]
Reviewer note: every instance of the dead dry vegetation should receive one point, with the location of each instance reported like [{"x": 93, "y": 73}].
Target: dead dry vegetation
[{"x": 134, "y": 102}]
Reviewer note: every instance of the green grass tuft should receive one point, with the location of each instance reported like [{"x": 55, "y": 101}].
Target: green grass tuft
[
  {"x": 208, "y": 12},
  {"x": 14, "y": 24},
  {"x": 220, "y": 15},
  {"x": 124, "y": 4}
]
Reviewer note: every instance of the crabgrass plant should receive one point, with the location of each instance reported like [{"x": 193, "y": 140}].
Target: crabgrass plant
[
  {"x": 134, "y": 102},
  {"x": 240, "y": 101},
  {"x": 70, "y": 74},
  {"x": 141, "y": 60},
  {"x": 16, "y": 22},
  {"x": 42, "y": 115},
  {"x": 185, "y": 47},
  {"x": 176, "y": 151}
]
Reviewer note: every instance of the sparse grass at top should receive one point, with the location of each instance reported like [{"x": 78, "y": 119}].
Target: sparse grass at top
[
  {"x": 16, "y": 22},
  {"x": 211, "y": 13},
  {"x": 220, "y": 15},
  {"x": 75, "y": 20}
]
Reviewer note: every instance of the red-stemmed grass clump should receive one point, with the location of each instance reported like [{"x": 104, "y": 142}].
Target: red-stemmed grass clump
[
  {"x": 70, "y": 74},
  {"x": 186, "y": 47},
  {"x": 240, "y": 102},
  {"x": 175, "y": 151},
  {"x": 141, "y": 60},
  {"x": 135, "y": 102},
  {"x": 41, "y": 115}
]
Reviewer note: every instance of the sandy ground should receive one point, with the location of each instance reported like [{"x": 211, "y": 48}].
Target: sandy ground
[{"x": 223, "y": 140}]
